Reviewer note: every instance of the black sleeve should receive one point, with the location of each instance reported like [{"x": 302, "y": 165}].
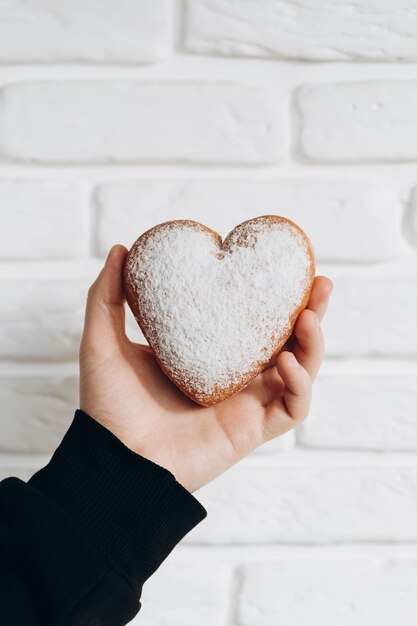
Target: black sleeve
[{"x": 79, "y": 539}]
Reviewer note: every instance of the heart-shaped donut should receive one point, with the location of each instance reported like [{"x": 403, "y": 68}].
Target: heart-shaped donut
[{"x": 216, "y": 313}]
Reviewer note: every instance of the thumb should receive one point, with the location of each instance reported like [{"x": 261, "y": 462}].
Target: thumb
[{"x": 105, "y": 313}]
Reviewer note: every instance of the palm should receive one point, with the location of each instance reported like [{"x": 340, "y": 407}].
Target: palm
[
  {"x": 149, "y": 410},
  {"x": 123, "y": 387}
]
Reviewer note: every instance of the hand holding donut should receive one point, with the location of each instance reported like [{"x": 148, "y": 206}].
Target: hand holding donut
[{"x": 123, "y": 388}]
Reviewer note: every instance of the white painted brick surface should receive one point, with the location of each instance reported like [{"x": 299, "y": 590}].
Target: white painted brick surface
[
  {"x": 363, "y": 411},
  {"x": 56, "y": 30},
  {"x": 351, "y": 592},
  {"x": 303, "y": 30},
  {"x": 186, "y": 121},
  {"x": 191, "y": 592},
  {"x": 363, "y": 220},
  {"x": 372, "y": 315},
  {"x": 311, "y": 498},
  {"x": 41, "y": 319},
  {"x": 42, "y": 219},
  {"x": 22, "y": 467},
  {"x": 360, "y": 121},
  {"x": 36, "y": 411},
  {"x": 117, "y": 116}
]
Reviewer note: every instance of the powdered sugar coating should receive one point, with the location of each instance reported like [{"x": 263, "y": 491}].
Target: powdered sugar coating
[{"x": 211, "y": 313}]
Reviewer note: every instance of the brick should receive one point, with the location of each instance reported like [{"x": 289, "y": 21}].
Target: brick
[
  {"x": 352, "y": 592},
  {"x": 41, "y": 319},
  {"x": 60, "y": 122},
  {"x": 377, "y": 412},
  {"x": 372, "y": 315},
  {"x": 45, "y": 219},
  {"x": 36, "y": 411},
  {"x": 318, "y": 31},
  {"x": 359, "y": 121},
  {"x": 311, "y": 498},
  {"x": 56, "y": 30},
  {"x": 182, "y": 589},
  {"x": 351, "y": 211}
]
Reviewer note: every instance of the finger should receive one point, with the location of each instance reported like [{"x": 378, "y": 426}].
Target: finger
[
  {"x": 297, "y": 390},
  {"x": 104, "y": 316},
  {"x": 320, "y": 294},
  {"x": 309, "y": 346},
  {"x": 319, "y": 297},
  {"x": 108, "y": 286}
]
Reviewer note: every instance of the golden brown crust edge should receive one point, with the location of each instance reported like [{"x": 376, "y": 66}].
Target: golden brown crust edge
[{"x": 131, "y": 298}]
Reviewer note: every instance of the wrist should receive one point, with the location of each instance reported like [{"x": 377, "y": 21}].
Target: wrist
[
  {"x": 130, "y": 507},
  {"x": 158, "y": 451}
]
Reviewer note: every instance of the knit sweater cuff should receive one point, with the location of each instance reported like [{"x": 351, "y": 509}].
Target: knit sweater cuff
[{"x": 131, "y": 508}]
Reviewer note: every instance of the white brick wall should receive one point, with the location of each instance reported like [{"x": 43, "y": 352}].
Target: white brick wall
[
  {"x": 61, "y": 122},
  {"x": 379, "y": 121},
  {"x": 223, "y": 204},
  {"x": 347, "y": 592},
  {"x": 312, "y": 498},
  {"x": 56, "y": 30},
  {"x": 112, "y": 120},
  {"x": 36, "y": 407},
  {"x": 373, "y": 314},
  {"x": 41, "y": 319},
  {"x": 326, "y": 31},
  {"x": 45, "y": 219},
  {"x": 377, "y": 412}
]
